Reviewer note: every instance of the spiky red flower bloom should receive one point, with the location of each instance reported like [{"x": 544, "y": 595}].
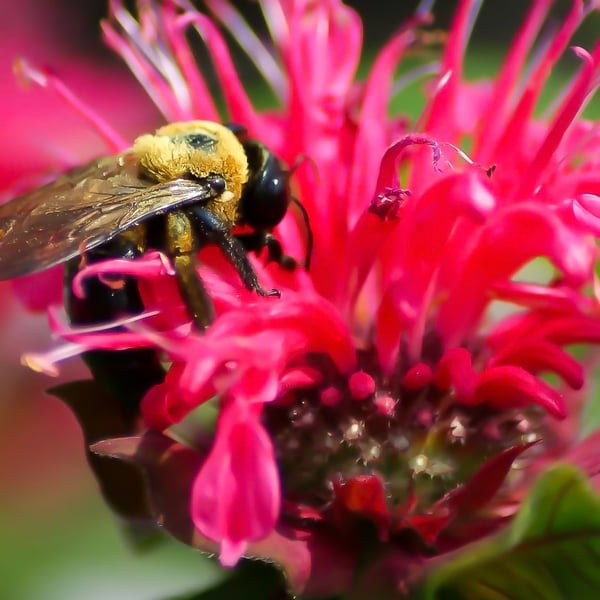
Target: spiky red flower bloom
[{"x": 383, "y": 386}]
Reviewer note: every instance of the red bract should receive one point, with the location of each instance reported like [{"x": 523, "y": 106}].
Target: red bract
[{"x": 383, "y": 387}]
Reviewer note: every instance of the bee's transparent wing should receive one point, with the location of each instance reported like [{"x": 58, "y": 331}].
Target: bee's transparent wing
[{"x": 82, "y": 209}]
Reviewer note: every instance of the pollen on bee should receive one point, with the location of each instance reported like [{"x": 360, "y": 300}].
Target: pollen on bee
[
  {"x": 112, "y": 283},
  {"x": 166, "y": 155}
]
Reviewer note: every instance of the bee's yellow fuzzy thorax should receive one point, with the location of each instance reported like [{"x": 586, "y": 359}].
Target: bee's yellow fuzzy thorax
[{"x": 197, "y": 149}]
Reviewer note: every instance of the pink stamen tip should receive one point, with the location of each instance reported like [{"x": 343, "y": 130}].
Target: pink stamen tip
[
  {"x": 46, "y": 362},
  {"x": 331, "y": 396},
  {"x": 386, "y": 405},
  {"x": 26, "y": 74},
  {"x": 417, "y": 377},
  {"x": 39, "y": 363},
  {"x": 361, "y": 385},
  {"x": 424, "y": 417}
]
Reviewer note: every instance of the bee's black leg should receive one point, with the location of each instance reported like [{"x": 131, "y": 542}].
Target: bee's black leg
[
  {"x": 256, "y": 241},
  {"x": 210, "y": 228},
  {"x": 126, "y": 374}
]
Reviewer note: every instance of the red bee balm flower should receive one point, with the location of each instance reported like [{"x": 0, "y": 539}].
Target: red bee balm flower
[{"x": 383, "y": 405}]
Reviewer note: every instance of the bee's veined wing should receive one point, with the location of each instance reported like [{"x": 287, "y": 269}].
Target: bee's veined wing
[{"x": 82, "y": 209}]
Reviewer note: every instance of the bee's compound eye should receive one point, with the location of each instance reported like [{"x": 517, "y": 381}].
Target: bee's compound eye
[{"x": 266, "y": 195}]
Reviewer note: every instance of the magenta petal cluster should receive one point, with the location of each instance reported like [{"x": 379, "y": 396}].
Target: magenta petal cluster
[{"x": 426, "y": 351}]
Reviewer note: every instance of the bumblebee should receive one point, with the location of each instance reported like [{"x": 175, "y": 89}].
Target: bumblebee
[
  {"x": 183, "y": 187},
  {"x": 178, "y": 189}
]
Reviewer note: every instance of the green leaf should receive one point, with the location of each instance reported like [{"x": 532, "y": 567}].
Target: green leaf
[
  {"x": 551, "y": 551},
  {"x": 250, "y": 580}
]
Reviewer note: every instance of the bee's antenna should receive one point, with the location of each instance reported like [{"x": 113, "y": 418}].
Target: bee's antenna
[
  {"x": 300, "y": 159},
  {"x": 309, "y": 233}
]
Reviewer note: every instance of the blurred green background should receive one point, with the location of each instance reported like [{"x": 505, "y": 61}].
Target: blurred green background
[{"x": 57, "y": 539}]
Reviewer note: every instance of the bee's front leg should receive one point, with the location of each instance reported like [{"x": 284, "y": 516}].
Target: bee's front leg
[{"x": 210, "y": 229}]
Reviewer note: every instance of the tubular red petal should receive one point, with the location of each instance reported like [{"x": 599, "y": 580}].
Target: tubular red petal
[
  {"x": 539, "y": 232},
  {"x": 538, "y": 356},
  {"x": 508, "y": 386},
  {"x": 455, "y": 370}
]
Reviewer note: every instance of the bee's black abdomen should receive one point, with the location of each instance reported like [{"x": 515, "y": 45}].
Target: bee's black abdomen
[{"x": 126, "y": 374}]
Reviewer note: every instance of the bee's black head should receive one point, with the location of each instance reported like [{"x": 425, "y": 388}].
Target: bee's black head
[{"x": 266, "y": 194}]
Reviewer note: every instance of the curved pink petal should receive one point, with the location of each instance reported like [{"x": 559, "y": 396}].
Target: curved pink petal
[{"x": 537, "y": 356}]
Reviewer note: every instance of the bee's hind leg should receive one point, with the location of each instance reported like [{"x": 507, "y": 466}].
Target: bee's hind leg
[{"x": 192, "y": 290}]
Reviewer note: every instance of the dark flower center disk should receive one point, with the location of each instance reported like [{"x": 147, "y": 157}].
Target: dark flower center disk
[{"x": 418, "y": 442}]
